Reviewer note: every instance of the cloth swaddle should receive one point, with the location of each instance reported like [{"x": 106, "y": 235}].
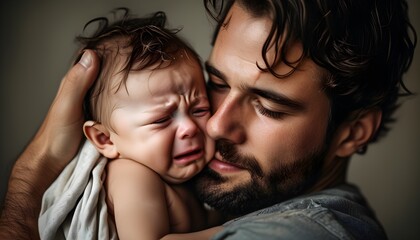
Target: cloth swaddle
[{"x": 74, "y": 206}]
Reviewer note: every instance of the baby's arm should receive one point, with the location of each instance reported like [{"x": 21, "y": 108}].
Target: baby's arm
[
  {"x": 199, "y": 218},
  {"x": 137, "y": 198},
  {"x": 204, "y": 234}
]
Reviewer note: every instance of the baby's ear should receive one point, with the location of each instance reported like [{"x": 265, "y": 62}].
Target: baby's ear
[
  {"x": 356, "y": 134},
  {"x": 99, "y": 135}
]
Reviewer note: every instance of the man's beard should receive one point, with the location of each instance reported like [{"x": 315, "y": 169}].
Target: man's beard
[{"x": 283, "y": 182}]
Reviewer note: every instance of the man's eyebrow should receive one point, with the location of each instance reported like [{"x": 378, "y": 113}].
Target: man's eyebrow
[
  {"x": 278, "y": 98},
  {"x": 213, "y": 71},
  {"x": 270, "y": 95}
]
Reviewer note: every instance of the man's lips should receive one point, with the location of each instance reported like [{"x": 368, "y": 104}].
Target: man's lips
[
  {"x": 189, "y": 156},
  {"x": 223, "y": 166}
]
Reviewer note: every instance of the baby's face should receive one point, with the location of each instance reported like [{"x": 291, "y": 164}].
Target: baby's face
[{"x": 160, "y": 120}]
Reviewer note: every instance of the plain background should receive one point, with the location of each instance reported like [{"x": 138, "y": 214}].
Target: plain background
[{"x": 37, "y": 48}]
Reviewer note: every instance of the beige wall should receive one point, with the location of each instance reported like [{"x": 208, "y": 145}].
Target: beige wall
[{"x": 36, "y": 48}]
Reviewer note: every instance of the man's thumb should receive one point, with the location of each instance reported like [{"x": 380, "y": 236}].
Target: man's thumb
[{"x": 81, "y": 76}]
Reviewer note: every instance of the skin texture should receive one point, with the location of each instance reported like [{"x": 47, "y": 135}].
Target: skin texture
[
  {"x": 235, "y": 96},
  {"x": 155, "y": 136}
]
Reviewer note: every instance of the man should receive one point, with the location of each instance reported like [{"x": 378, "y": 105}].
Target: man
[{"x": 297, "y": 88}]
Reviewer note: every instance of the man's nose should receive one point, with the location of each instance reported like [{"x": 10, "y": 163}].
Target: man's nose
[{"x": 227, "y": 120}]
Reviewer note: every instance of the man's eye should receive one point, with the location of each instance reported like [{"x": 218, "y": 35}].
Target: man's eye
[
  {"x": 216, "y": 86},
  {"x": 268, "y": 113}
]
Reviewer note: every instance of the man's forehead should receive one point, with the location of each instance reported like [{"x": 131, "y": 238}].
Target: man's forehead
[
  {"x": 242, "y": 38},
  {"x": 240, "y": 27}
]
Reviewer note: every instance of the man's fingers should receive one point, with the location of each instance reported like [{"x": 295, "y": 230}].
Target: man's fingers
[
  {"x": 79, "y": 78},
  {"x": 67, "y": 107}
]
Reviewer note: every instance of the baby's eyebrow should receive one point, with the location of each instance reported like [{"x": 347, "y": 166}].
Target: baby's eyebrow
[{"x": 197, "y": 99}]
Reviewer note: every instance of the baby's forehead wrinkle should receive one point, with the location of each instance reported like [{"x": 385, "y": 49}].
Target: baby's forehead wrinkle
[{"x": 182, "y": 89}]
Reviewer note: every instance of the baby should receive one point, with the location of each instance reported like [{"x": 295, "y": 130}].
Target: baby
[{"x": 147, "y": 113}]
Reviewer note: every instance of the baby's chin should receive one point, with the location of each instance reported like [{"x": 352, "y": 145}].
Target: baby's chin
[{"x": 181, "y": 174}]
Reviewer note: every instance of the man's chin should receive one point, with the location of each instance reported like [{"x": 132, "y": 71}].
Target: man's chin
[{"x": 222, "y": 194}]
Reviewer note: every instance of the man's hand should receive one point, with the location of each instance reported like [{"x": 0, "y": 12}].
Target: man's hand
[
  {"x": 61, "y": 131},
  {"x": 54, "y": 145}
]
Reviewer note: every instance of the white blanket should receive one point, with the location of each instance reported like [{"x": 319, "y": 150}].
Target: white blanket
[{"x": 74, "y": 206}]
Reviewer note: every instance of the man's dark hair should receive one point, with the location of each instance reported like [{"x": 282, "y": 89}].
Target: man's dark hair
[{"x": 365, "y": 45}]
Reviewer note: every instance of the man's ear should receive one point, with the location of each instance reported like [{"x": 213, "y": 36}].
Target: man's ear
[
  {"x": 356, "y": 134},
  {"x": 99, "y": 135}
]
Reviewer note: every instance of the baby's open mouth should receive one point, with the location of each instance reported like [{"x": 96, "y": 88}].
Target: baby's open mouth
[{"x": 188, "y": 154}]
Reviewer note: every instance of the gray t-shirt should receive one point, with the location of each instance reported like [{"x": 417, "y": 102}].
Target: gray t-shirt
[{"x": 336, "y": 213}]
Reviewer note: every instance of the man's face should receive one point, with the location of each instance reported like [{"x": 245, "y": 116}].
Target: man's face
[{"x": 270, "y": 132}]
